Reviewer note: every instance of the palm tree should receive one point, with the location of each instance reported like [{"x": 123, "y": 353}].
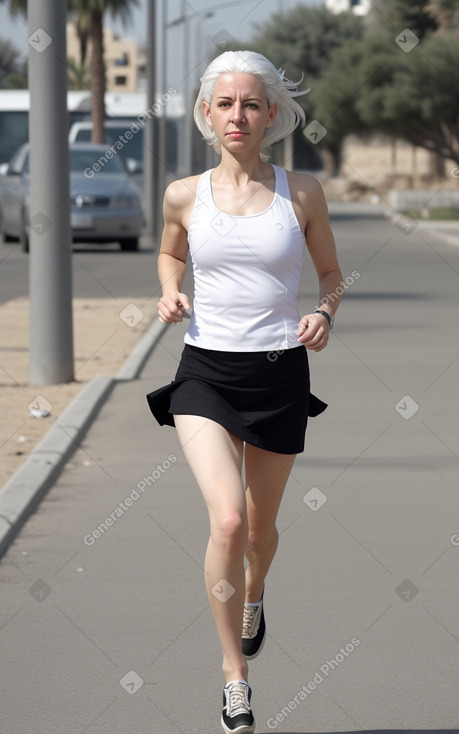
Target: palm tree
[
  {"x": 77, "y": 75},
  {"x": 89, "y": 15},
  {"x": 12, "y": 71}
]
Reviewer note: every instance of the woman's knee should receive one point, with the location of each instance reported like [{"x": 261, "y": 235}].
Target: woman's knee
[
  {"x": 261, "y": 538},
  {"x": 229, "y": 531}
]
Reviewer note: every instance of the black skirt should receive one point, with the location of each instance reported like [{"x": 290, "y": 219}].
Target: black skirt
[{"x": 262, "y": 397}]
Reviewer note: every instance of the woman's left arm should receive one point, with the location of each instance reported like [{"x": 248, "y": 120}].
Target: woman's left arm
[{"x": 313, "y": 329}]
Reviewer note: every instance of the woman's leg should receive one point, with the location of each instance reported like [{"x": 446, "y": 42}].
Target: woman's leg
[
  {"x": 215, "y": 458},
  {"x": 266, "y": 476}
]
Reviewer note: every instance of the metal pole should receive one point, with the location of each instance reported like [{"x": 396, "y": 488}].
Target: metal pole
[
  {"x": 186, "y": 90},
  {"x": 288, "y": 153},
  {"x": 150, "y": 159},
  {"x": 51, "y": 332},
  {"x": 162, "y": 147}
]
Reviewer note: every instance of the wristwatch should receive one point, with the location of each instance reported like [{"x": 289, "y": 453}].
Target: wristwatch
[{"x": 328, "y": 316}]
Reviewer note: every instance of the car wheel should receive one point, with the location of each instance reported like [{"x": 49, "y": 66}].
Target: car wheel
[
  {"x": 4, "y": 237},
  {"x": 24, "y": 240},
  {"x": 24, "y": 235},
  {"x": 130, "y": 244}
]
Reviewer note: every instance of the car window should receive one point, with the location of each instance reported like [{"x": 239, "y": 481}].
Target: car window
[
  {"x": 83, "y": 136},
  {"x": 131, "y": 147},
  {"x": 14, "y": 131},
  {"x": 99, "y": 162},
  {"x": 16, "y": 163}
]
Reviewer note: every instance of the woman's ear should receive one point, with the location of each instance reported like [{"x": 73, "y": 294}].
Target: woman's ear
[
  {"x": 272, "y": 112},
  {"x": 206, "y": 107}
]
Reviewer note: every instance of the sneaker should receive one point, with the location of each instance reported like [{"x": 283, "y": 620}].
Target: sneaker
[
  {"x": 237, "y": 715},
  {"x": 253, "y": 630}
]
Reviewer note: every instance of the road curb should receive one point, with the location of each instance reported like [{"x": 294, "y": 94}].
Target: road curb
[{"x": 21, "y": 495}]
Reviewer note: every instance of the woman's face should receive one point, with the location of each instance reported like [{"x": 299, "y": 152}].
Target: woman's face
[{"x": 239, "y": 112}]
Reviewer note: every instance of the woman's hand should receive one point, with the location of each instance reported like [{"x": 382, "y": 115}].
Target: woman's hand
[
  {"x": 313, "y": 331},
  {"x": 171, "y": 307}
]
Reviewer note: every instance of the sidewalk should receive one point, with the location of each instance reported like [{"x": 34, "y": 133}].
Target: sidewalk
[{"x": 105, "y": 626}]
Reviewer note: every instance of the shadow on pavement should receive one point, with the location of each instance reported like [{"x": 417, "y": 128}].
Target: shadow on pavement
[
  {"x": 369, "y": 731},
  {"x": 386, "y": 296},
  {"x": 347, "y": 216}
]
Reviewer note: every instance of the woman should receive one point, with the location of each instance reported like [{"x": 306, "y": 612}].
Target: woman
[{"x": 242, "y": 387}]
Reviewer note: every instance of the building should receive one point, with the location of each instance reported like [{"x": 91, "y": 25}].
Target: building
[
  {"x": 358, "y": 7},
  {"x": 125, "y": 63}
]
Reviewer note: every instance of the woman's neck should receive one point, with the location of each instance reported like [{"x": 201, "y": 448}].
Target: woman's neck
[{"x": 239, "y": 170}]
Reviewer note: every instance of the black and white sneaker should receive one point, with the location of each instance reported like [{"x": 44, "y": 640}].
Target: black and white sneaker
[
  {"x": 253, "y": 629},
  {"x": 237, "y": 715}
]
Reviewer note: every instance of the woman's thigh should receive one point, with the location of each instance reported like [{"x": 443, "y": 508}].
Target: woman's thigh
[
  {"x": 267, "y": 474},
  {"x": 215, "y": 458}
]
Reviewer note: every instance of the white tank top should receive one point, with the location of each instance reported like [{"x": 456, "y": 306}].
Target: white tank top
[{"x": 247, "y": 273}]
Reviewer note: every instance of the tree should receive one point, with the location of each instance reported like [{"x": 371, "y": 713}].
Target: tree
[
  {"x": 302, "y": 42},
  {"x": 78, "y": 75},
  {"x": 89, "y": 15},
  {"x": 372, "y": 86},
  {"x": 446, "y": 14},
  {"x": 412, "y": 14},
  {"x": 351, "y": 71},
  {"x": 393, "y": 16},
  {"x": 420, "y": 102},
  {"x": 13, "y": 69}
]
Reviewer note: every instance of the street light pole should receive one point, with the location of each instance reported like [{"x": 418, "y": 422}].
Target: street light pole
[
  {"x": 150, "y": 157},
  {"x": 51, "y": 331},
  {"x": 162, "y": 146},
  {"x": 186, "y": 91}
]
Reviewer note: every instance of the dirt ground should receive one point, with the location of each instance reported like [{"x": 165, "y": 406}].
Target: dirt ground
[{"x": 105, "y": 332}]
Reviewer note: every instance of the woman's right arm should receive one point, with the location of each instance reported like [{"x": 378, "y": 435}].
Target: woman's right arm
[{"x": 173, "y": 254}]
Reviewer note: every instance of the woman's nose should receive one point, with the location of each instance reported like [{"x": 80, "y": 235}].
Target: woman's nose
[{"x": 238, "y": 113}]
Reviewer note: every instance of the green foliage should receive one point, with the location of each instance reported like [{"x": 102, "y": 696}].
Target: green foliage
[
  {"x": 373, "y": 86},
  {"x": 348, "y": 74},
  {"x": 412, "y": 14},
  {"x": 13, "y": 68},
  {"x": 16, "y": 7},
  {"x": 422, "y": 100},
  {"x": 117, "y": 8},
  {"x": 303, "y": 40},
  {"x": 78, "y": 75},
  {"x": 446, "y": 13}
]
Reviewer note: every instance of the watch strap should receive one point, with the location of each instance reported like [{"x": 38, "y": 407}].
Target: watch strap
[{"x": 328, "y": 316}]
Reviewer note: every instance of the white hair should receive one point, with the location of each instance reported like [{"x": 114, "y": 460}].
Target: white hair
[{"x": 278, "y": 90}]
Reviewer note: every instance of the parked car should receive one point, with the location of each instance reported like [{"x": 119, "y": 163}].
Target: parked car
[
  {"x": 130, "y": 150},
  {"x": 105, "y": 203}
]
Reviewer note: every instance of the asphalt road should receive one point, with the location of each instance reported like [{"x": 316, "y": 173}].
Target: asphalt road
[
  {"x": 99, "y": 271},
  {"x": 108, "y": 631}
]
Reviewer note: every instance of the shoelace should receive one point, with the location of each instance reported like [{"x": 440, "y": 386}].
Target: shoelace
[
  {"x": 248, "y": 621},
  {"x": 237, "y": 699}
]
